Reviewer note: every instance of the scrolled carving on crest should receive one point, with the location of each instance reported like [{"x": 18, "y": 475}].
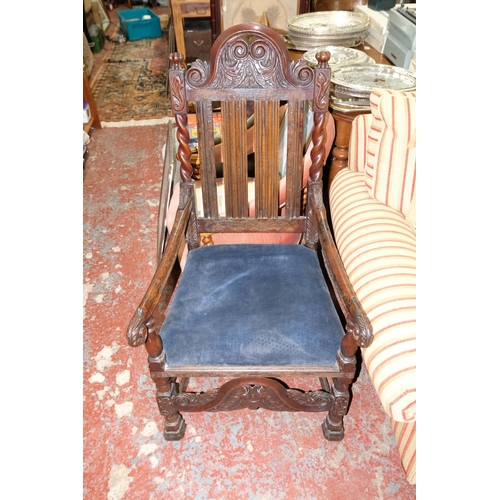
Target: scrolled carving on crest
[
  {"x": 301, "y": 73},
  {"x": 246, "y": 61},
  {"x": 198, "y": 73}
]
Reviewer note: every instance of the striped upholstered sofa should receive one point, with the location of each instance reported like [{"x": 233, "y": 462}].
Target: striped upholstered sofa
[{"x": 372, "y": 204}]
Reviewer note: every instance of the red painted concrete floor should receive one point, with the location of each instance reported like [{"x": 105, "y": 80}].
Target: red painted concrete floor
[{"x": 234, "y": 455}]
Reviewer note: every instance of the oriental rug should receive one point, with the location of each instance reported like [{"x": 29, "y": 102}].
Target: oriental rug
[{"x": 131, "y": 85}]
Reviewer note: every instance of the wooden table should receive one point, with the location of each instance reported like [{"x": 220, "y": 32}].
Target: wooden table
[
  {"x": 344, "y": 119},
  {"x": 187, "y": 9}
]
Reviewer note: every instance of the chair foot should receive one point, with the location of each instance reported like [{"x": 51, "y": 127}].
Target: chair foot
[
  {"x": 333, "y": 431},
  {"x": 174, "y": 431},
  {"x": 174, "y": 426}
]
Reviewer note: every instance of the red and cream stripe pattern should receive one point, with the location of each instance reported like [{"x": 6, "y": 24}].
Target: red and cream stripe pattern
[
  {"x": 378, "y": 250},
  {"x": 406, "y": 438},
  {"x": 358, "y": 143},
  {"x": 390, "y": 159}
]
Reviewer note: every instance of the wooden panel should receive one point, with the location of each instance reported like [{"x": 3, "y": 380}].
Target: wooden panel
[
  {"x": 240, "y": 225},
  {"x": 207, "y": 158},
  {"x": 295, "y": 161},
  {"x": 234, "y": 156},
  {"x": 266, "y": 159}
]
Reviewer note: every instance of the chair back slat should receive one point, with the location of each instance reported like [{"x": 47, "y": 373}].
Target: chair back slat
[
  {"x": 266, "y": 159},
  {"x": 294, "y": 156},
  {"x": 204, "y": 118},
  {"x": 234, "y": 156}
]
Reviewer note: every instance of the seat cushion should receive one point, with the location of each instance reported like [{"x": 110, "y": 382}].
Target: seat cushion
[
  {"x": 251, "y": 305},
  {"x": 378, "y": 250}
]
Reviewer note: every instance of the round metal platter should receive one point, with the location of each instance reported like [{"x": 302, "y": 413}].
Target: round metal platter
[
  {"x": 339, "y": 56},
  {"x": 331, "y": 23},
  {"x": 305, "y": 44},
  {"x": 366, "y": 77}
]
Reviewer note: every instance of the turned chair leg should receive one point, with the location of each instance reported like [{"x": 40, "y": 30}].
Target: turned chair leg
[
  {"x": 166, "y": 388},
  {"x": 333, "y": 425},
  {"x": 174, "y": 426}
]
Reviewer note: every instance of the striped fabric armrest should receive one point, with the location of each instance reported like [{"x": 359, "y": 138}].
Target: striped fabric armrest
[{"x": 378, "y": 250}]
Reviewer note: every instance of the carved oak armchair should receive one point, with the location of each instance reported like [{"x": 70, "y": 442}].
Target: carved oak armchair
[{"x": 251, "y": 313}]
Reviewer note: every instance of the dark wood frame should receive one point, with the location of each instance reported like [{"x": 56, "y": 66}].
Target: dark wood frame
[{"x": 270, "y": 76}]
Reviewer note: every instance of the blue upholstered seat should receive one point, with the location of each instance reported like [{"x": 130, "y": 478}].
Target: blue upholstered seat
[{"x": 252, "y": 305}]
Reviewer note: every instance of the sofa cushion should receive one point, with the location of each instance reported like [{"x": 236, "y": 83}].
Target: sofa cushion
[
  {"x": 378, "y": 250},
  {"x": 391, "y": 156}
]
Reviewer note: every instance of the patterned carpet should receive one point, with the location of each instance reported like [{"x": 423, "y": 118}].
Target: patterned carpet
[
  {"x": 132, "y": 83},
  {"x": 244, "y": 454}
]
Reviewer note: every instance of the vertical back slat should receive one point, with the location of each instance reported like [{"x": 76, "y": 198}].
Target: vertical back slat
[
  {"x": 207, "y": 158},
  {"x": 266, "y": 159},
  {"x": 234, "y": 157},
  {"x": 295, "y": 162}
]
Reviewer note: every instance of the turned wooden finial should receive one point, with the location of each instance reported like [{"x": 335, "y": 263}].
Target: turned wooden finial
[
  {"x": 323, "y": 57},
  {"x": 176, "y": 58}
]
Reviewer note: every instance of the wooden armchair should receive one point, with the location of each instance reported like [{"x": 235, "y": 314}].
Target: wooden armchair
[{"x": 251, "y": 313}]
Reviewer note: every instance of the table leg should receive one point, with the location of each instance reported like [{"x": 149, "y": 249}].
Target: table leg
[
  {"x": 178, "y": 27},
  {"x": 343, "y": 129},
  {"x": 340, "y": 150}
]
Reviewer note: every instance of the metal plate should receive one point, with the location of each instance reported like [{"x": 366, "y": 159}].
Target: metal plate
[
  {"x": 339, "y": 56},
  {"x": 366, "y": 77},
  {"x": 329, "y": 23},
  {"x": 308, "y": 43}
]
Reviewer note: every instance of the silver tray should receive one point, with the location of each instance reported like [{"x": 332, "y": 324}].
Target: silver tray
[
  {"x": 309, "y": 43},
  {"x": 366, "y": 77},
  {"x": 328, "y": 23},
  {"x": 338, "y": 56}
]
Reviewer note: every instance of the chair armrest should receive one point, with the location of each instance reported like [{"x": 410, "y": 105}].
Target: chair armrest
[
  {"x": 357, "y": 321},
  {"x": 142, "y": 322}
]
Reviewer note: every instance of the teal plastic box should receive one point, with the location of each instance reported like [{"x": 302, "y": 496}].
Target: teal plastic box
[{"x": 135, "y": 27}]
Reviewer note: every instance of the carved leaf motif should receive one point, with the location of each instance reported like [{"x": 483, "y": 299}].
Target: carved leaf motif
[
  {"x": 244, "y": 62},
  {"x": 253, "y": 397},
  {"x": 136, "y": 329},
  {"x": 177, "y": 99}
]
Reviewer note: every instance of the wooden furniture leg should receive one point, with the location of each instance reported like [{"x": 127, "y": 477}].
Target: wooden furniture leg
[
  {"x": 178, "y": 27},
  {"x": 343, "y": 127},
  {"x": 89, "y": 98}
]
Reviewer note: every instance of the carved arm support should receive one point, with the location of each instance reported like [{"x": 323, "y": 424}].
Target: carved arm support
[
  {"x": 358, "y": 323},
  {"x": 142, "y": 323}
]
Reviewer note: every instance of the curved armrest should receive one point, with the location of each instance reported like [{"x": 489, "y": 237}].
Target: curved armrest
[
  {"x": 357, "y": 321},
  {"x": 137, "y": 332}
]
